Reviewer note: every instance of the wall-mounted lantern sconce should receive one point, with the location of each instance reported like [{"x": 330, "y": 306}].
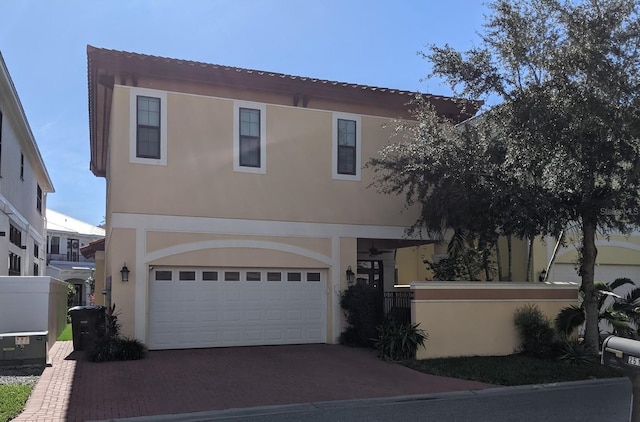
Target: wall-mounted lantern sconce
[
  {"x": 125, "y": 273},
  {"x": 350, "y": 275}
]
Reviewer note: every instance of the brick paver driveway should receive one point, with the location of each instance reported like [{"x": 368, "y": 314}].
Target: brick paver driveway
[{"x": 182, "y": 381}]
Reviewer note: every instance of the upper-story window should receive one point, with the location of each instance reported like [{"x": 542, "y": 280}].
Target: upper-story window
[
  {"x": 346, "y": 147},
  {"x": 249, "y": 137},
  {"x": 249, "y": 140},
  {"x": 148, "y": 129},
  {"x": 22, "y": 166},
  {"x": 55, "y": 245},
  {"x": 15, "y": 235},
  {"x": 73, "y": 249},
  {"x": 148, "y": 136},
  {"x": 39, "y": 199}
]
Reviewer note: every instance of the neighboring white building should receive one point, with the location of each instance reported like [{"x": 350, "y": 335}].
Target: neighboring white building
[
  {"x": 65, "y": 236},
  {"x": 24, "y": 184}
]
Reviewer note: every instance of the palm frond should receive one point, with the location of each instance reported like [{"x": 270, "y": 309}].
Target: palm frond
[
  {"x": 569, "y": 318},
  {"x": 457, "y": 242},
  {"x": 620, "y": 282},
  {"x": 632, "y": 296}
]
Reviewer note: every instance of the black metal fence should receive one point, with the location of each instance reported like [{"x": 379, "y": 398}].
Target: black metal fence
[{"x": 397, "y": 306}]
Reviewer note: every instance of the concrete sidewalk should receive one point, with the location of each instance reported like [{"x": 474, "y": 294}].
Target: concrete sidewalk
[{"x": 197, "y": 380}]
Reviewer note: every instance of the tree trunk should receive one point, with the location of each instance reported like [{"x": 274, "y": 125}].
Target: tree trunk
[
  {"x": 530, "y": 260},
  {"x": 589, "y": 252},
  {"x": 487, "y": 271},
  {"x": 467, "y": 264},
  {"x": 498, "y": 260},
  {"x": 510, "y": 259}
]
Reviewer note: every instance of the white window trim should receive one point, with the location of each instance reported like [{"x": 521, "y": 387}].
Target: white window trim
[
  {"x": 334, "y": 155},
  {"x": 237, "y": 105},
  {"x": 133, "y": 158}
]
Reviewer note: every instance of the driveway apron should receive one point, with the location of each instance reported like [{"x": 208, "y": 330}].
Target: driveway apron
[{"x": 183, "y": 381}]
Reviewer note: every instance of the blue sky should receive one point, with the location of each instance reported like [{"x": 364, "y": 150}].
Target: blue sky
[{"x": 372, "y": 42}]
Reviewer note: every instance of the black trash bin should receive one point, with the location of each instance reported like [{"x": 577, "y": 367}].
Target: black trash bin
[{"x": 85, "y": 323}]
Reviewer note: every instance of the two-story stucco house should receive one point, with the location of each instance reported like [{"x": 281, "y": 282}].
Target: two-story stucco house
[
  {"x": 237, "y": 201},
  {"x": 24, "y": 185}
]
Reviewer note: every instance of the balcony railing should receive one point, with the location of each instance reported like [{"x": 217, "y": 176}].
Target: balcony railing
[{"x": 67, "y": 257}]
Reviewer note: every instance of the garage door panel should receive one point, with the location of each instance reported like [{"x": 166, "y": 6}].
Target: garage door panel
[
  {"x": 232, "y": 316},
  {"x": 209, "y": 316},
  {"x": 273, "y": 315},
  {"x": 187, "y": 314}
]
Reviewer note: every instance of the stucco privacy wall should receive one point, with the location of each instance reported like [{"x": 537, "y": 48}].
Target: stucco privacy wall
[
  {"x": 476, "y": 318},
  {"x": 33, "y": 304}
]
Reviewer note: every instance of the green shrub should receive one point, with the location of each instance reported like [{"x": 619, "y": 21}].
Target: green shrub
[
  {"x": 129, "y": 349},
  {"x": 398, "y": 342},
  {"x": 536, "y": 334},
  {"x": 362, "y": 307},
  {"x": 108, "y": 345},
  {"x": 576, "y": 351}
]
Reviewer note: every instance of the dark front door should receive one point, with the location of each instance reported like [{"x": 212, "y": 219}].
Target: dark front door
[{"x": 371, "y": 273}]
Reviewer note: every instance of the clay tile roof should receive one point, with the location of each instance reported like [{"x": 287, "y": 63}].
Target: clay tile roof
[
  {"x": 96, "y": 52},
  {"x": 90, "y": 250}
]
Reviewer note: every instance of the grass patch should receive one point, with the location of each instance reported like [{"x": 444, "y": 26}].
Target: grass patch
[
  {"x": 511, "y": 370},
  {"x": 66, "y": 334},
  {"x": 12, "y": 400}
]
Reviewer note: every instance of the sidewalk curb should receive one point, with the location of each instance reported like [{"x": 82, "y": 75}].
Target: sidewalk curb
[{"x": 220, "y": 415}]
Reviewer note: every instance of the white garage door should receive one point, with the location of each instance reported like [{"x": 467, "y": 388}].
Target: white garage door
[{"x": 217, "y": 307}]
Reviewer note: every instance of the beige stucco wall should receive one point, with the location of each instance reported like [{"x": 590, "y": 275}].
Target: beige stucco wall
[
  {"x": 348, "y": 258},
  {"x": 200, "y": 181},
  {"x": 410, "y": 265},
  {"x": 99, "y": 278},
  {"x": 122, "y": 249},
  {"x": 461, "y": 321},
  {"x": 162, "y": 240}
]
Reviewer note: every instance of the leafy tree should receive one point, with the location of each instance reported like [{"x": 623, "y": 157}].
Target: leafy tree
[{"x": 561, "y": 147}]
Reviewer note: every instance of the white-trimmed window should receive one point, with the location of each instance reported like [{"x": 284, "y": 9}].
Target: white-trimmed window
[
  {"x": 148, "y": 129},
  {"x": 347, "y": 150},
  {"x": 249, "y": 137}
]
